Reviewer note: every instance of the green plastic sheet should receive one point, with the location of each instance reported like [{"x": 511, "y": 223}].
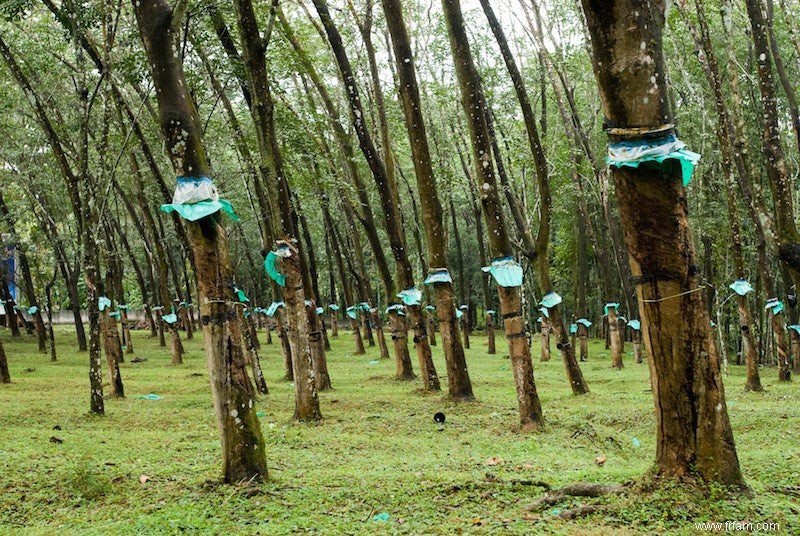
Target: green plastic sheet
[
  {"x": 774, "y": 305},
  {"x": 200, "y": 210},
  {"x": 633, "y": 154},
  {"x": 506, "y": 272},
  {"x": 550, "y": 300},
  {"x": 272, "y": 271},
  {"x": 410, "y": 296},
  {"x": 741, "y": 287},
  {"x": 438, "y": 276},
  {"x": 240, "y": 295}
]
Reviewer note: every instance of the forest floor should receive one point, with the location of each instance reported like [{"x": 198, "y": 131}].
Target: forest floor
[{"x": 377, "y": 464}]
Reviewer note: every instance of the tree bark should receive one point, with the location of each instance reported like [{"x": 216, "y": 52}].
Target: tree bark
[
  {"x": 615, "y": 338},
  {"x": 693, "y": 431},
  {"x": 530, "y": 409},
  {"x": 113, "y": 351},
  {"x": 542, "y": 244},
  {"x": 725, "y": 132},
  {"x": 459, "y": 384},
  {"x": 242, "y": 443},
  {"x": 5, "y": 376},
  {"x": 294, "y": 293}
]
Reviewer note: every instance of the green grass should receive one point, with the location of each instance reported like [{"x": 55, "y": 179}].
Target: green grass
[{"x": 378, "y": 450}]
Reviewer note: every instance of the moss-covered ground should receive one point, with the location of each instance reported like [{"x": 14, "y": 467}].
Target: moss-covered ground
[{"x": 378, "y": 463}]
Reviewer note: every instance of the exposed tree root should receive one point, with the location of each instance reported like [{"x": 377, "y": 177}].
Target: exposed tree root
[
  {"x": 580, "y": 489},
  {"x": 583, "y": 510}
]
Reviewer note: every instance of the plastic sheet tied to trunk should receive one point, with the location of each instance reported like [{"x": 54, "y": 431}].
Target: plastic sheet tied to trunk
[{"x": 634, "y": 153}]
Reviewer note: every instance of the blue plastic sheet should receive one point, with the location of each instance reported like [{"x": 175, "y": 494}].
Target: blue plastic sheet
[
  {"x": 774, "y": 305},
  {"x": 114, "y": 314},
  {"x": 410, "y": 296},
  {"x": 352, "y": 312},
  {"x": 741, "y": 287},
  {"x": 33, "y": 310},
  {"x": 635, "y": 325},
  {"x": 438, "y": 276},
  {"x": 506, "y": 272},
  {"x": 273, "y": 308},
  {"x": 170, "y": 318},
  {"x": 490, "y": 311},
  {"x": 333, "y": 307},
  {"x": 103, "y": 303},
  {"x": 795, "y": 327},
  {"x": 459, "y": 314},
  {"x": 550, "y": 300},
  {"x": 544, "y": 312},
  {"x": 430, "y": 308},
  {"x": 609, "y": 305},
  {"x": 396, "y": 308},
  {"x": 632, "y": 154},
  {"x": 587, "y": 324},
  {"x": 320, "y": 310},
  {"x": 272, "y": 270},
  {"x": 573, "y": 328},
  {"x": 200, "y": 210}
]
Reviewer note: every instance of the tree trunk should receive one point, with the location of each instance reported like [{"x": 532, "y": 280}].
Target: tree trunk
[
  {"x": 583, "y": 335},
  {"x": 542, "y": 244},
  {"x": 510, "y": 301},
  {"x": 251, "y": 353},
  {"x": 242, "y": 443},
  {"x": 48, "y": 293},
  {"x": 465, "y": 328},
  {"x": 490, "y": 334},
  {"x": 459, "y": 384},
  {"x": 545, "y": 340},
  {"x": 376, "y": 318},
  {"x": 725, "y": 133},
  {"x": 113, "y": 350},
  {"x": 614, "y": 338},
  {"x": 693, "y": 431},
  {"x": 637, "y": 345},
  {"x": 294, "y": 293},
  {"x": 5, "y": 376},
  {"x": 431, "y": 327},
  {"x": 794, "y": 337}
]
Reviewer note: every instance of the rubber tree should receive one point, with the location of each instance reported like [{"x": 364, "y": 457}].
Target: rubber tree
[
  {"x": 787, "y": 236},
  {"x": 530, "y": 409},
  {"x": 693, "y": 432},
  {"x": 304, "y": 334},
  {"x": 390, "y": 204},
  {"x": 555, "y": 320},
  {"x": 708, "y": 60},
  {"x": 27, "y": 279},
  {"x": 232, "y": 392},
  {"x": 459, "y": 385}
]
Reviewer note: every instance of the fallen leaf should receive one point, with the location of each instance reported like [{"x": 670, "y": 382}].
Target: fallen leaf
[
  {"x": 600, "y": 460},
  {"x": 494, "y": 460},
  {"x": 527, "y": 467},
  {"x": 477, "y": 522},
  {"x": 530, "y": 517},
  {"x": 144, "y": 478}
]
